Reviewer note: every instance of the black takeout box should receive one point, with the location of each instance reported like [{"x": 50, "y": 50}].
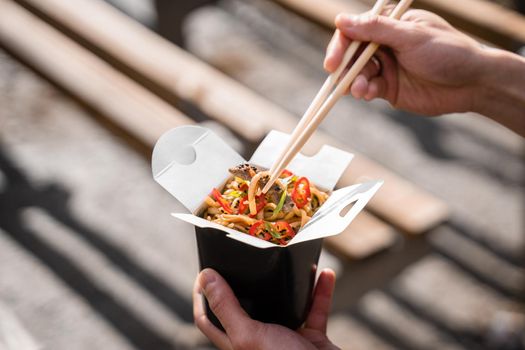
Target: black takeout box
[{"x": 273, "y": 283}]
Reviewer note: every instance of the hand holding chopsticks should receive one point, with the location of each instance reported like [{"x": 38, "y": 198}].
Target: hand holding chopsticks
[{"x": 328, "y": 95}]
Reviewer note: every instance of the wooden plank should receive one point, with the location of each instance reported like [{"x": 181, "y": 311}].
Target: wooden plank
[
  {"x": 149, "y": 58},
  {"x": 399, "y": 202},
  {"x": 142, "y": 115},
  {"x": 86, "y": 76},
  {"x": 365, "y": 237},
  {"x": 13, "y": 335},
  {"x": 323, "y": 12},
  {"x": 146, "y": 56},
  {"x": 482, "y": 19}
]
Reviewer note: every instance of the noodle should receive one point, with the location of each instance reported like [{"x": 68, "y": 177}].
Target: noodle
[
  {"x": 239, "y": 219},
  {"x": 213, "y": 211},
  {"x": 271, "y": 206},
  {"x": 275, "y": 216},
  {"x": 210, "y": 202},
  {"x": 251, "y": 191},
  {"x": 304, "y": 218},
  {"x": 321, "y": 196},
  {"x": 289, "y": 216},
  {"x": 296, "y": 224}
]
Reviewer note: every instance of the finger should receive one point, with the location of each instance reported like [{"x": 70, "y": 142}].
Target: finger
[
  {"x": 335, "y": 51},
  {"x": 360, "y": 85},
  {"x": 390, "y": 73},
  {"x": 318, "y": 317},
  {"x": 376, "y": 88},
  {"x": 388, "y": 9},
  {"x": 225, "y": 305},
  {"x": 329, "y": 55},
  {"x": 218, "y": 337},
  {"x": 379, "y": 29}
]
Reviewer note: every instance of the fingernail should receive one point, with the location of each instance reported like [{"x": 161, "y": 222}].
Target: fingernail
[
  {"x": 325, "y": 66},
  {"x": 207, "y": 277},
  {"x": 326, "y": 63}
]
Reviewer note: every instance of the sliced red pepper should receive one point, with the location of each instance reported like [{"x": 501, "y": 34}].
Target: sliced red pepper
[
  {"x": 258, "y": 230},
  {"x": 243, "y": 205},
  {"x": 224, "y": 204},
  {"x": 301, "y": 192},
  {"x": 284, "y": 229},
  {"x": 286, "y": 173},
  {"x": 260, "y": 201},
  {"x": 255, "y": 228}
]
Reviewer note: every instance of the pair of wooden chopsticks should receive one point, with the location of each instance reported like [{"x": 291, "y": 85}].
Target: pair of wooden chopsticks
[{"x": 328, "y": 95}]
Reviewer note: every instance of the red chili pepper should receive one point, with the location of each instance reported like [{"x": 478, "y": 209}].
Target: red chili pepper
[
  {"x": 260, "y": 201},
  {"x": 255, "y": 228},
  {"x": 284, "y": 229},
  {"x": 242, "y": 205},
  {"x": 301, "y": 192},
  {"x": 286, "y": 173},
  {"x": 224, "y": 204},
  {"x": 260, "y": 229},
  {"x": 243, "y": 187}
]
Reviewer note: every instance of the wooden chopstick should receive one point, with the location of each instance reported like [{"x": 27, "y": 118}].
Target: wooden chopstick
[
  {"x": 317, "y": 111},
  {"x": 321, "y": 96}
]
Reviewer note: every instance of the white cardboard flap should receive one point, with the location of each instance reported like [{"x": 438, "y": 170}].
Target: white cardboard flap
[
  {"x": 323, "y": 169},
  {"x": 189, "y": 161},
  {"x": 328, "y": 220}
]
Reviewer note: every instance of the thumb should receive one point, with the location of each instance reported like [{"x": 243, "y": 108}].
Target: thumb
[
  {"x": 223, "y": 302},
  {"x": 379, "y": 29}
]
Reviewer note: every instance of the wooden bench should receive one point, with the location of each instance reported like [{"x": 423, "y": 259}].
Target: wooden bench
[
  {"x": 323, "y": 14},
  {"x": 484, "y": 19},
  {"x": 59, "y": 59},
  {"x": 145, "y": 56},
  {"x": 480, "y": 18},
  {"x": 177, "y": 76},
  {"x": 88, "y": 78}
]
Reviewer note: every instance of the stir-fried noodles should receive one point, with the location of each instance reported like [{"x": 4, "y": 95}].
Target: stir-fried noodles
[{"x": 275, "y": 216}]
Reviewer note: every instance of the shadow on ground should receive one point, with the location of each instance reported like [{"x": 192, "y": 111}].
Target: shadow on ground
[{"x": 19, "y": 193}]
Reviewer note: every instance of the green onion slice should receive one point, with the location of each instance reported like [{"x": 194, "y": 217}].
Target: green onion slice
[
  {"x": 280, "y": 205},
  {"x": 270, "y": 229}
]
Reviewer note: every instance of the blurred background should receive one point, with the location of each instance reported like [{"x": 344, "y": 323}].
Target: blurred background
[{"x": 90, "y": 257}]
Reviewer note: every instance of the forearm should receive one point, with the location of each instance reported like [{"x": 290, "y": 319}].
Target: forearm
[{"x": 501, "y": 93}]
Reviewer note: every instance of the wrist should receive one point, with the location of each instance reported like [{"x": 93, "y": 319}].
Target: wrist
[
  {"x": 501, "y": 89},
  {"x": 484, "y": 89},
  {"x": 501, "y": 78}
]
